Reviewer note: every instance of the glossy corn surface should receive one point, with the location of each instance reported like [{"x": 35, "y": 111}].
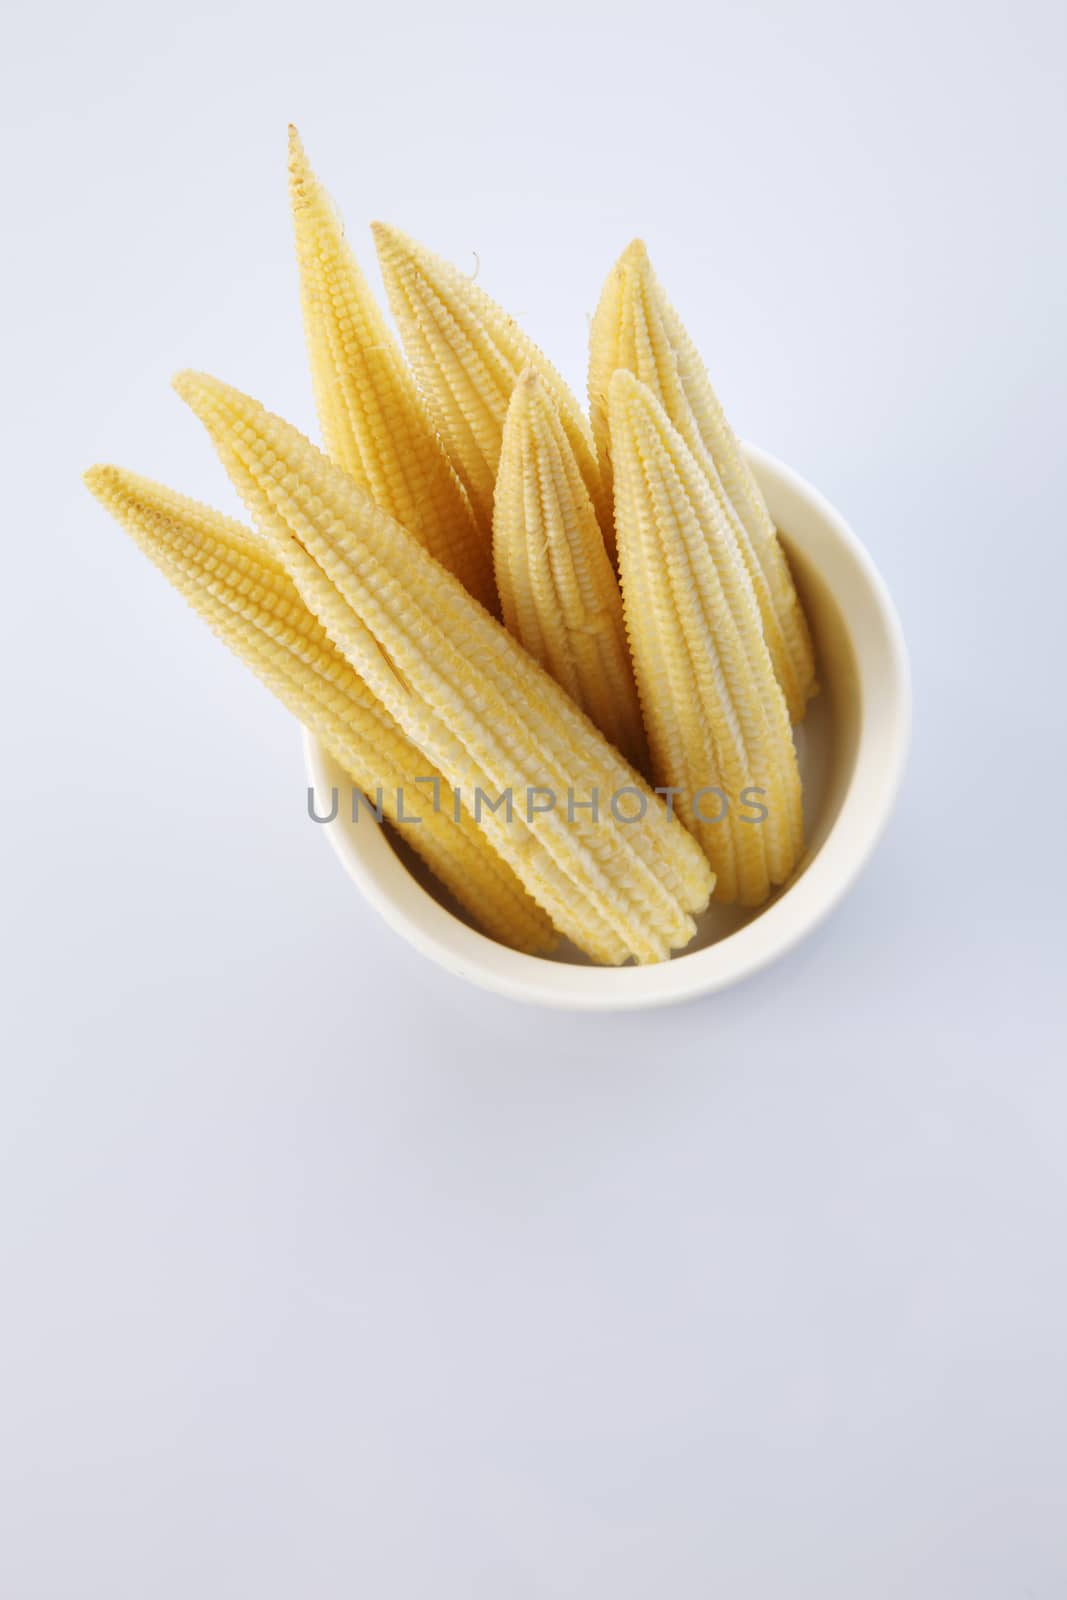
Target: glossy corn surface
[
  {"x": 233, "y": 580},
  {"x": 717, "y": 720},
  {"x": 374, "y": 422},
  {"x": 558, "y": 592},
  {"x": 637, "y": 329},
  {"x": 468, "y": 355},
  {"x": 468, "y": 695}
]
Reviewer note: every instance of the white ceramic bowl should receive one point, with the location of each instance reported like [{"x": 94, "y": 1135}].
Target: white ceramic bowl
[{"x": 852, "y": 746}]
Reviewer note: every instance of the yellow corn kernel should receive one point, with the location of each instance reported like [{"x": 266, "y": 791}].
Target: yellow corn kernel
[
  {"x": 558, "y": 593},
  {"x": 374, "y": 422},
  {"x": 467, "y": 694},
  {"x": 715, "y": 713},
  {"x": 468, "y": 354},
  {"x": 635, "y": 327},
  {"x": 245, "y": 595}
]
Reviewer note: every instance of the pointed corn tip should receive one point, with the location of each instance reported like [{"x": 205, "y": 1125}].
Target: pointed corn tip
[
  {"x": 529, "y": 388},
  {"x": 201, "y": 392},
  {"x": 635, "y": 254},
  {"x": 120, "y": 489},
  {"x": 631, "y": 263},
  {"x": 384, "y": 242},
  {"x": 394, "y": 245},
  {"x": 190, "y": 387},
  {"x": 100, "y": 480},
  {"x": 214, "y": 403},
  {"x": 528, "y": 394},
  {"x": 296, "y": 148},
  {"x": 186, "y": 382},
  {"x": 125, "y": 494},
  {"x": 301, "y": 177},
  {"x": 389, "y": 240},
  {"x": 625, "y": 388},
  {"x": 632, "y": 406}
]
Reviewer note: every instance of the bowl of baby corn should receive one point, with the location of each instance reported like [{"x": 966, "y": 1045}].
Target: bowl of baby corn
[{"x": 602, "y": 710}]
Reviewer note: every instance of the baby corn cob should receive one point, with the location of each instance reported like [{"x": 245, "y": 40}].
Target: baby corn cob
[
  {"x": 245, "y": 595},
  {"x": 715, "y": 713},
  {"x": 468, "y": 354},
  {"x": 374, "y": 421},
  {"x": 558, "y": 593},
  {"x": 468, "y": 694},
  {"x": 635, "y": 327}
]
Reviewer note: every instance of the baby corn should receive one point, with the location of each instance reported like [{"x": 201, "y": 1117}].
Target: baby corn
[
  {"x": 558, "y": 593},
  {"x": 468, "y": 354},
  {"x": 374, "y": 421},
  {"x": 244, "y": 594},
  {"x": 717, "y": 721},
  {"x": 468, "y": 694},
  {"x": 635, "y": 327}
]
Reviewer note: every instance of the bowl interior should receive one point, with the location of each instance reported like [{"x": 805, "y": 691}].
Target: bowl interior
[{"x": 850, "y": 748}]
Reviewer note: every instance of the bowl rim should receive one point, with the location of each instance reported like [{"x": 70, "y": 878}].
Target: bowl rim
[{"x": 411, "y": 911}]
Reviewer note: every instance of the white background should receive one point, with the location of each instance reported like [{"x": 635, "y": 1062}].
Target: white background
[{"x": 323, "y": 1275}]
